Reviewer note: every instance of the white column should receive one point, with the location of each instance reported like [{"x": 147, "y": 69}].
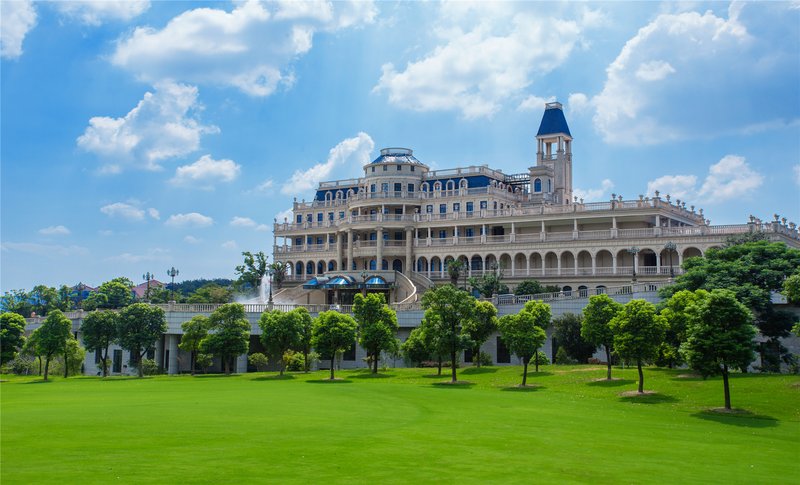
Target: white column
[
  {"x": 339, "y": 251},
  {"x": 160, "y": 352},
  {"x": 173, "y": 354},
  {"x": 241, "y": 364},
  {"x": 349, "y": 250},
  {"x": 594, "y": 264},
  {"x": 379, "y": 250},
  {"x": 409, "y": 251},
  {"x": 528, "y": 265},
  {"x": 658, "y": 263}
]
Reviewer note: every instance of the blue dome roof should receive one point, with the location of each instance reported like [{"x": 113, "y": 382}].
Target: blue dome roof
[
  {"x": 397, "y": 155},
  {"x": 553, "y": 121}
]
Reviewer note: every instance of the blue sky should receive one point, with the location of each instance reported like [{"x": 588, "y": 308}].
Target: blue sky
[{"x": 141, "y": 135}]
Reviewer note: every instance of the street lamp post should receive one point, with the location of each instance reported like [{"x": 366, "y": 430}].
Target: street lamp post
[
  {"x": 634, "y": 251},
  {"x": 271, "y": 272},
  {"x": 172, "y": 273},
  {"x": 147, "y": 277},
  {"x": 671, "y": 246}
]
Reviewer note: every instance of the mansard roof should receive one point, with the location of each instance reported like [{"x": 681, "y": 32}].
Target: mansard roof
[
  {"x": 397, "y": 155},
  {"x": 553, "y": 121}
]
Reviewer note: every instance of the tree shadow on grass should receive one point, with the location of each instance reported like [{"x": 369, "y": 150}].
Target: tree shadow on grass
[
  {"x": 533, "y": 373},
  {"x": 479, "y": 370},
  {"x": 338, "y": 380},
  {"x": 369, "y": 375},
  {"x": 519, "y": 388},
  {"x": 38, "y": 381},
  {"x": 611, "y": 383},
  {"x": 436, "y": 376},
  {"x": 453, "y": 385},
  {"x": 738, "y": 417},
  {"x": 214, "y": 376},
  {"x": 275, "y": 377},
  {"x": 653, "y": 398}
]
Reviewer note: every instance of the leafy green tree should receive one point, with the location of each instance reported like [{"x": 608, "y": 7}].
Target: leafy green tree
[
  {"x": 720, "y": 336},
  {"x": 638, "y": 333},
  {"x": 523, "y": 336},
  {"x": 71, "y": 359},
  {"x": 595, "y": 327},
  {"x": 33, "y": 349},
  {"x": 333, "y": 332},
  {"x": 455, "y": 268},
  {"x": 252, "y": 272},
  {"x": 490, "y": 283},
  {"x": 12, "y": 336},
  {"x": 534, "y": 287},
  {"x": 415, "y": 348},
  {"x": 567, "y": 332},
  {"x": 791, "y": 288},
  {"x": 258, "y": 360},
  {"x": 447, "y": 308},
  {"x": 280, "y": 333},
  {"x": 377, "y": 326},
  {"x": 278, "y": 269},
  {"x": 140, "y": 326},
  {"x": 539, "y": 314},
  {"x": 100, "y": 330},
  {"x": 116, "y": 293},
  {"x": 211, "y": 293},
  {"x": 194, "y": 331},
  {"x": 17, "y": 301},
  {"x": 480, "y": 327},
  {"x": 44, "y": 299},
  {"x": 204, "y": 361},
  {"x": 306, "y": 333},
  {"x": 51, "y": 338},
  {"x": 675, "y": 312},
  {"x": 229, "y": 334}
]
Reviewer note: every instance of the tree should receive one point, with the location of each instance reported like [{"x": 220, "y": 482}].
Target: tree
[
  {"x": 194, "y": 331},
  {"x": 252, "y": 272},
  {"x": 258, "y": 360},
  {"x": 72, "y": 357},
  {"x": 280, "y": 333},
  {"x": 333, "y": 332},
  {"x": 675, "y": 313},
  {"x": 454, "y": 269},
  {"x": 44, "y": 299},
  {"x": 278, "y": 269},
  {"x": 12, "y": 336},
  {"x": 480, "y": 327},
  {"x": 229, "y": 334},
  {"x": 415, "y": 348},
  {"x": 490, "y": 283},
  {"x": 211, "y": 293},
  {"x": 51, "y": 337},
  {"x": 534, "y": 287},
  {"x": 523, "y": 336},
  {"x": 720, "y": 336},
  {"x": 140, "y": 325},
  {"x": 377, "y": 326},
  {"x": 567, "y": 332},
  {"x": 306, "y": 333},
  {"x": 539, "y": 313},
  {"x": 100, "y": 330},
  {"x": 791, "y": 288},
  {"x": 446, "y": 309},
  {"x": 595, "y": 329},
  {"x": 638, "y": 332},
  {"x": 16, "y": 301},
  {"x": 116, "y": 293}
]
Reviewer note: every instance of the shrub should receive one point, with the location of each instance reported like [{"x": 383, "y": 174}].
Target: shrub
[
  {"x": 203, "y": 362},
  {"x": 22, "y": 365},
  {"x": 149, "y": 367},
  {"x": 294, "y": 360},
  {"x": 485, "y": 359},
  {"x": 259, "y": 361},
  {"x": 543, "y": 360},
  {"x": 562, "y": 358}
]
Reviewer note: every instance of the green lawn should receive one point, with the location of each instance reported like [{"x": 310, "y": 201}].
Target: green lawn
[{"x": 402, "y": 427}]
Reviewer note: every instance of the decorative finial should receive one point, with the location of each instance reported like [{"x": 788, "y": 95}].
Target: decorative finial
[{"x": 657, "y": 193}]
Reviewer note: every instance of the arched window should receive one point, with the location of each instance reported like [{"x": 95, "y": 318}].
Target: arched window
[
  {"x": 437, "y": 186},
  {"x": 600, "y": 289},
  {"x": 451, "y": 185},
  {"x": 537, "y": 185},
  {"x": 549, "y": 185},
  {"x": 567, "y": 290},
  {"x": 583, "y": 291},
  {"x": 372, "y": 264},
  {"x": 385, "y": 265},
  {"x": 310, "y": 268},
  {"x": 425, "y": 186},
  {"x": 299, "y": 268},
  {"x": 463, "y": 183},
  {"x": 397, "y": 265},
  {"x": 320, "y": 267},
  {"x": 331, "y": 265},
  {"x": 338, "y": 194}
]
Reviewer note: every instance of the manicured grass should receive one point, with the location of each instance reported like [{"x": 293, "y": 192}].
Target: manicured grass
[{"x": 400, "y": 427}]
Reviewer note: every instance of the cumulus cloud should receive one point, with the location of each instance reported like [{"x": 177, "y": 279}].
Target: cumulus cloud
[
  {"x": 191, "y": 219},
  {"x": 123, "y": 211},
  {"x": 534, "y": 103},
  {"x": 488, "y": 53},
  {"x": 250, "y": 48},
  {"x": 16, "y": 20},
  {"x": 683, "y": 74},
  {"x": 192, "y": 240},
  {"x": 590, "y": 195},
  {"x": 728, "y": 179},
  {"x": 163, "y": 125},
  {"x": 238, "y": 221},
  {"x": 264, "y": 187},
  {"x": 152, "y": 212},
  {"x": 205, "y": 172},
  {"x": 46, "y": 250},
  {"x": 578, "y": 103},
  {"x": 95, "y": 12},
  {"x": 229, "y": 245},
  {"x": 351, "y": 151},
  {"x": 54, "y": 231},
  {"x": 284, "y": 215}
]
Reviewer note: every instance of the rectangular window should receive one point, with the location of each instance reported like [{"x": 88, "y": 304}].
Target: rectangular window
[
  {"x": 470, "y": 206},
  {"x": 385, "y": 168},
  {"x": 398, "y": 236},
  {"x": 319, "y": 216},
  {"x": 331, "y": 239},
  {"x": 468, "y": 355},
  {"x": 354, "y": 212},
  {"x": 341, "y": 214},
  {"x": 319, "y": 239},
  {"x": 429, "y": 209},
  {"x": 372, "y": 188},
  {"x": 308, "y": 217},
  {"x": 330, "y": 216},
  {"x": 97, "y": 356},
  {"x": 410, "y": 188},
  {"x": 373, "y": 169},
  {"x": 399, "y": 168},
  {"x": 373, "y": 236},
  {"x": 350, "y": 354},
  {"x": 503, "y": 355},
  {"x": 442, "y": 208},
  {"x": 412, "y": 168},
  {"x": 442, "y": 234},
  {"x": 398, "y": 187},
  {"x": 484, "y": 204},
  {"x": 470, "y": 232},
  {"x": 133, "y": 358},
  {"x": 398, "y": 212},
  {"x": 456, "y": 207},
  {"x": 116, "y": 365},
  {"x": 299, "y": 218},
  {"x": 384, "y": 187},
  {"x": 309, "y": 240},
  {"x": 298, "y": 241}
]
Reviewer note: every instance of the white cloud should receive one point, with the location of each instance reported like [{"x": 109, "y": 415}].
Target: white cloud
[
  {"x": 205, "y": 172},
  {"x": 46, "y": 250},
  {"x": 351, "y": 151},
  {"x": 250, "y": 48},
  {"x": 488, "y": 54},
  {"x": 284, "y": 215},
  {"x": 578, "y": 103},
  {"x": 163, "y": 125},
  {"x": 192, "y": 219},
  {"x": 229, "y": 245},
  {"x": 591, "y": 195},
  {"x": 152, "y": 254},
  {"x": 192, "y": 240},
  {"x": 730, "y": 178},
  {"x": 264, "y": 187},
  {"x": 152, "y": 212},
  {"x": 97, "y": 12},
  {"x": 54, "y": 231},
  {"x": 123, "y": 210},
  {"x": 242, "y": 222},
  {"x": 16, "y": 20},
  {"x": 534, "y": 103},
  {"x": 683, "y": 74}
]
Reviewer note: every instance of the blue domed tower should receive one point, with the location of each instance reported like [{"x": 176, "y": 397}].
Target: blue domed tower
[{"x": 551, "y": 178}]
